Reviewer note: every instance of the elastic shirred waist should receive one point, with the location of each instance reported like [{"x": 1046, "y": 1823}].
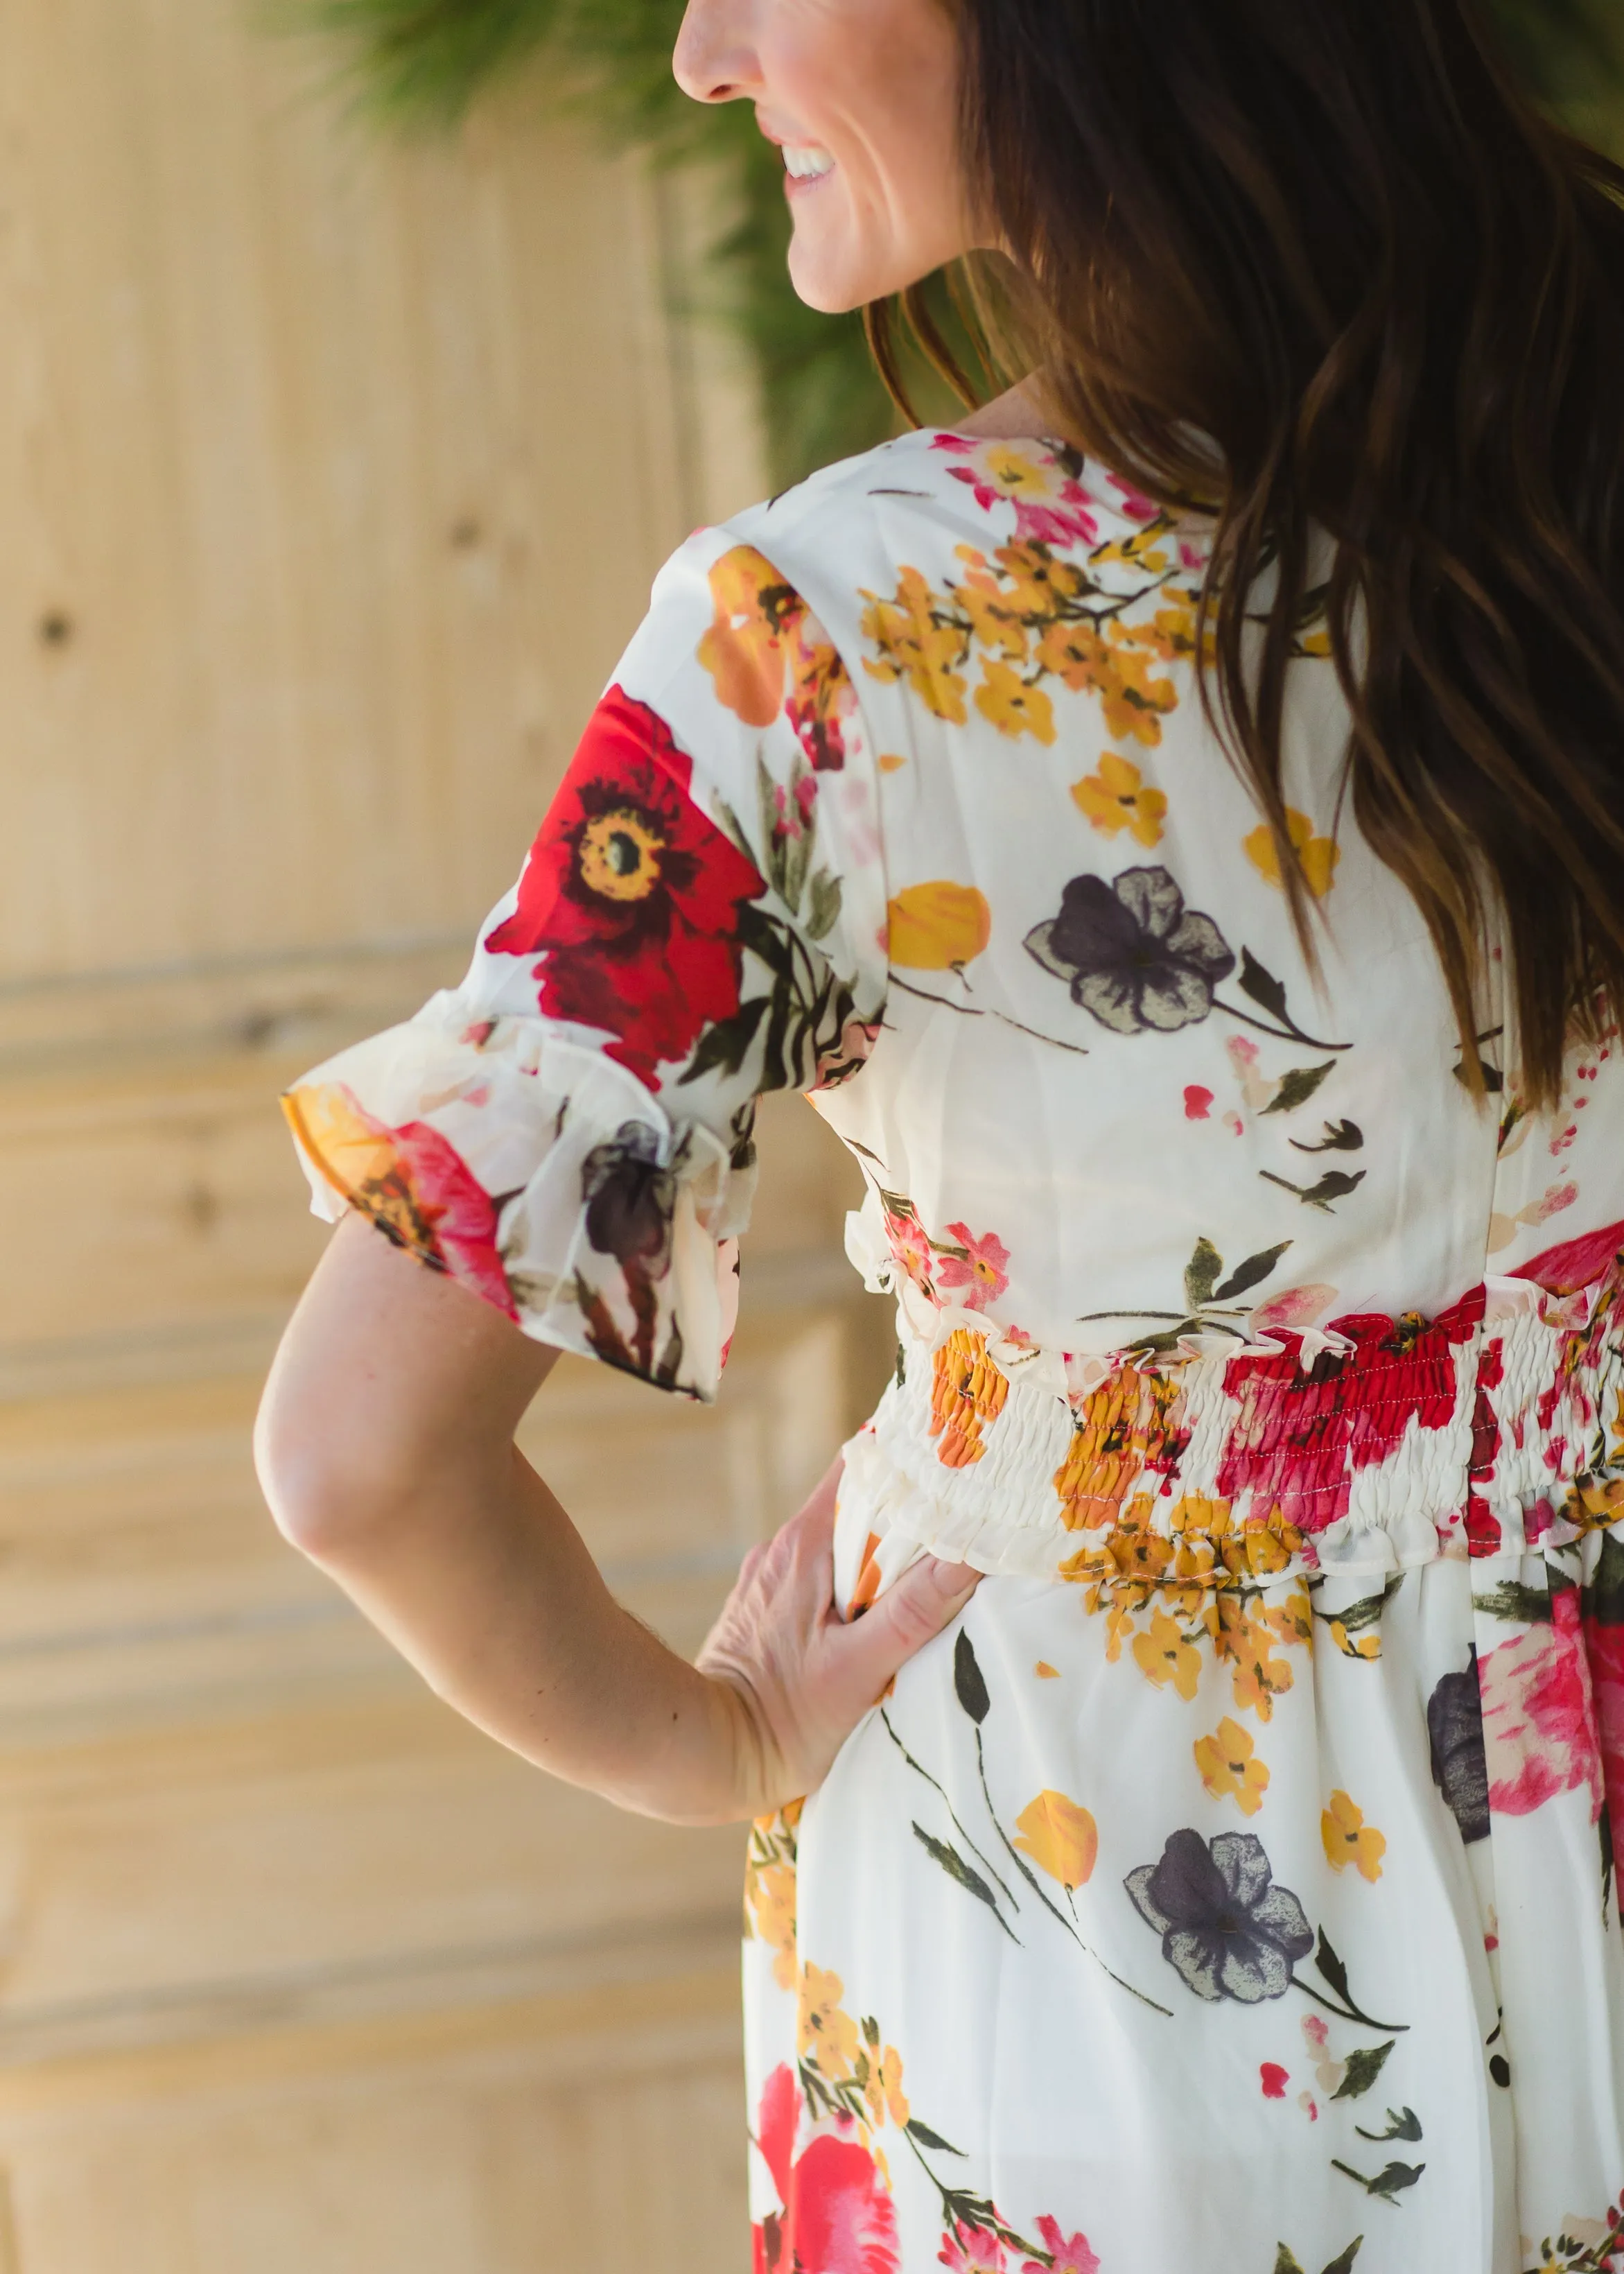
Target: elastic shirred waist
[{"x": 1381, "y": 1443}]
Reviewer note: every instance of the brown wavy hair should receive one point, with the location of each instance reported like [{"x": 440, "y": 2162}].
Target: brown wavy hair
[{"x": 1335, "y": 237}]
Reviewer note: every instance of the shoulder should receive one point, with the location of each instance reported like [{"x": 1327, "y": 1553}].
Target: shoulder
[{"x": 930, "y": 495}]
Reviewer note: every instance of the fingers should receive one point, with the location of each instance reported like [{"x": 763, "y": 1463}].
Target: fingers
[{"x": 928, "y": 1597}]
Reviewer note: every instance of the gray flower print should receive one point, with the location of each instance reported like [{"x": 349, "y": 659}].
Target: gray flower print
[
  {"x": 1225, "y": 1927},
  {"x": 1132, "y": 954},
  {"x": 630, "y": 1197},
  {"x": 1460, "y": 1762}
]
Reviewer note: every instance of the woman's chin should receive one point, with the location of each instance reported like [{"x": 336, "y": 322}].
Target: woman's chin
[{"x": 833, "y": 286}]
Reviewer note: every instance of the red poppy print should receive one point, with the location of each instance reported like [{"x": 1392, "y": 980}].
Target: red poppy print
[
  {"x": 632, "y": 896},
  {"x": 1302, "y": 1435},
  {"x": 837, "y": 2217},
  {"x": 412, "y": 1183},
  {"x": 1539, "y": 1716}
]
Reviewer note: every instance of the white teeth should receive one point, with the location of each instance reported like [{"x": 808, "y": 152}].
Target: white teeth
[{"x": 806, "y": 161}]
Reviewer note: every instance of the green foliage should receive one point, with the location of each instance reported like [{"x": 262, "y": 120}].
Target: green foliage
[{"x": 423, "y": 63}]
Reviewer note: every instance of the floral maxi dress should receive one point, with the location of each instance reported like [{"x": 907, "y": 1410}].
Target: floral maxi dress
[{"x": 1233, "y": 1886}]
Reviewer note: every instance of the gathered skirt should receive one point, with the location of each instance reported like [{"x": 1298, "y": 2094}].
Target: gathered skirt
[{"x": 1177, "y": 1912}]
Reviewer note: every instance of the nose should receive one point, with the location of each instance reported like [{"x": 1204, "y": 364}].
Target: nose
[{"x": 714, "y": 60}]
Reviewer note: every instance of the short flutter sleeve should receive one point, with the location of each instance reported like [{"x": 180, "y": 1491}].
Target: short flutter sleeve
[{"x": 701, "y": 920}]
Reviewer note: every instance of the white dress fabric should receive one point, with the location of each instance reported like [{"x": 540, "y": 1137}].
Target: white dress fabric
[{"x": 1232, "y": 1886}]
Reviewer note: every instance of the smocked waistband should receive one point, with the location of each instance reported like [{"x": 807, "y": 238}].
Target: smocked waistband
[{"x": 1381, "y": 1443}]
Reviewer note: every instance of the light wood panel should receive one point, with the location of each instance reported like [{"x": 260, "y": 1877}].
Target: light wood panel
[{"x": 332, "y": 478}]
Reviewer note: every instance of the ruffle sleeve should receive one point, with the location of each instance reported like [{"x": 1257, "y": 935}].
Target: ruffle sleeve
[{"x": 701, "y": 920}]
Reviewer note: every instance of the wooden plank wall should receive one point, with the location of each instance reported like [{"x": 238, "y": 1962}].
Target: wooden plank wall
[{"x": 331, "y": 480}]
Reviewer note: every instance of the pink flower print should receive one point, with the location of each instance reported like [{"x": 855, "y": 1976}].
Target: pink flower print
[
  {"x": 1067, "y": 2254},
  {"x": 972, "y": 2250},
  {"x": 1318, "y": 2036},
  {"x": 980, "y": 1271},
  {"x": 1135, "y": 504},
  {"x": 791, "y": 814},
  {"x": 958, "y": 445},
  {"x": 1198, "y": 1103},
  {"x": 907, "y": 1239},
  {"x": 1068, "y": 521},
  {"x": 1294, "y": 1307},
  {"x": 1273, "y": 2079},
  {"x": 1539, "y": 1714}
]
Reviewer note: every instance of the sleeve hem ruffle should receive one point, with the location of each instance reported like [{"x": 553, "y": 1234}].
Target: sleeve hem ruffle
[{"x": 541, "y": 1175}]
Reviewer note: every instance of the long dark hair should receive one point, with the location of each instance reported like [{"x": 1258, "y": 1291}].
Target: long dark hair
[{"x": 1335, "y": 237}]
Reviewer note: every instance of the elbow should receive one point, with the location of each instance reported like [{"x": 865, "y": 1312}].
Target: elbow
[{"x": 330, "y": 1484}]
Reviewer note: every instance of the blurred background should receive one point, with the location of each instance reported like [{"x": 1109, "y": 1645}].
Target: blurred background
[{"x": 358, "y": 364}]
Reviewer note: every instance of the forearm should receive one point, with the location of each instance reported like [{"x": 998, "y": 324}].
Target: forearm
[{"x": 489, "y": 1590}]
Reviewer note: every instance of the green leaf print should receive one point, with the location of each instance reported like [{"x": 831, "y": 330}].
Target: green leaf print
[
  {"x": 1201, "y": 1274},
  {"x": 968, "y": 1680},
  {"x": 1250, "y": 1274},
  {"x": 1389, "y": 2183},
  {"x": 1270, "y": 994},
  {"x": 1335, "y": 1184},
  {"x": 1402, "y": 2124},
  {"x": 1289, "y": 2264},
  {"x": 823, "y": 905},
  {"x": 1297, "y": 1087},
  {"x": 1528, "y": 1607},
  {"x": 1364, "y": 2065},
  {"x": 1340, "y": 1137},
  {"x": 1330, "y": 1966},
  {"x": 953, "y": 1863},
  {"x": 927, "y": 2138}
]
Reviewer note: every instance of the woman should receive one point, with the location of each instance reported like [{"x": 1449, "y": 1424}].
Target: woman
[{"x": 1180, "y": 853}]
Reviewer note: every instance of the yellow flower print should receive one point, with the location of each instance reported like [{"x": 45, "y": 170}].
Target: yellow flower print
[
  {"x": 743, "y": 650},
  {"x": 917, "y": 644},
  {"x": 1129, "y": 1423},
  {"x": 1317, "y": 857},
  {"x": 828, "y": 2039},
  {"x": 1245, "y": 1641},
  {"x": 1010, "y": 470},
  {"x": 1043, "y": 583},
  {"x": 1125, "y": 1567},
  {"x": 1013, "y": 705},
  {"x": 1164, "y": 1656},
  {"x": 1116, "y": 798},
  {"x": 769, "y": 1910},
  {"x": 882, "y": 2085},
  {"x": 994, "y": 620},
  {"x": 1045, "y": 1672},
  {"x": 1367, "y": 1647},
  {"x": 938, "y": 926},
  {"x": 966, "y": 1394},
  {"x": 1229, "y": 1766},
  {"x": 1350, "y": 1839},
  {"x": 1061, "y": 1838}
]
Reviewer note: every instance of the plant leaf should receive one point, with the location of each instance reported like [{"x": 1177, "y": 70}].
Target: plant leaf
[
  {"x": 953, "y": 1863},
  {"x": 726, "y": 1045},
  {"x": 1511, "y": 1599},
  {"x": 1297, "y": 1087},
  {"x": 1342, "y": 2265},
  {"x": 927, "y": 2138},
  {"x": 1286, "y": 2263},
  {"x": 1331, "y": 1967},
  {"x": 1264, "y": 989},
  {"x": 1401, "y": 2125},
  {"x": 1340, "y": 1137},
  {"x": 1201, "y": 1274},
  {"x": 968, "y": 1680},
  {"x": 822, "y": 904},
  {"x": 1364, "y": 2065},
  {"x": 1255, "y": 1269}
]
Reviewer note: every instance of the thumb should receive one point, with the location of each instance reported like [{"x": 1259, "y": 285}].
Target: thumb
[{"x": 929, "y": 1596}]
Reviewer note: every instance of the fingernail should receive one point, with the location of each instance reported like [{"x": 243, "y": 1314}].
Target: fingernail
[{"x": 952, "y": 1578}]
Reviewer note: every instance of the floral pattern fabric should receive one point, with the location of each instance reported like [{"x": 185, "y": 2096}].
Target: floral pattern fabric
[{"x": 1242, "y": 1863}]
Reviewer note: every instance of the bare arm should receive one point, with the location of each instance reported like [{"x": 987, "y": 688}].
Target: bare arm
[{"x": 386, "y": 1448}]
